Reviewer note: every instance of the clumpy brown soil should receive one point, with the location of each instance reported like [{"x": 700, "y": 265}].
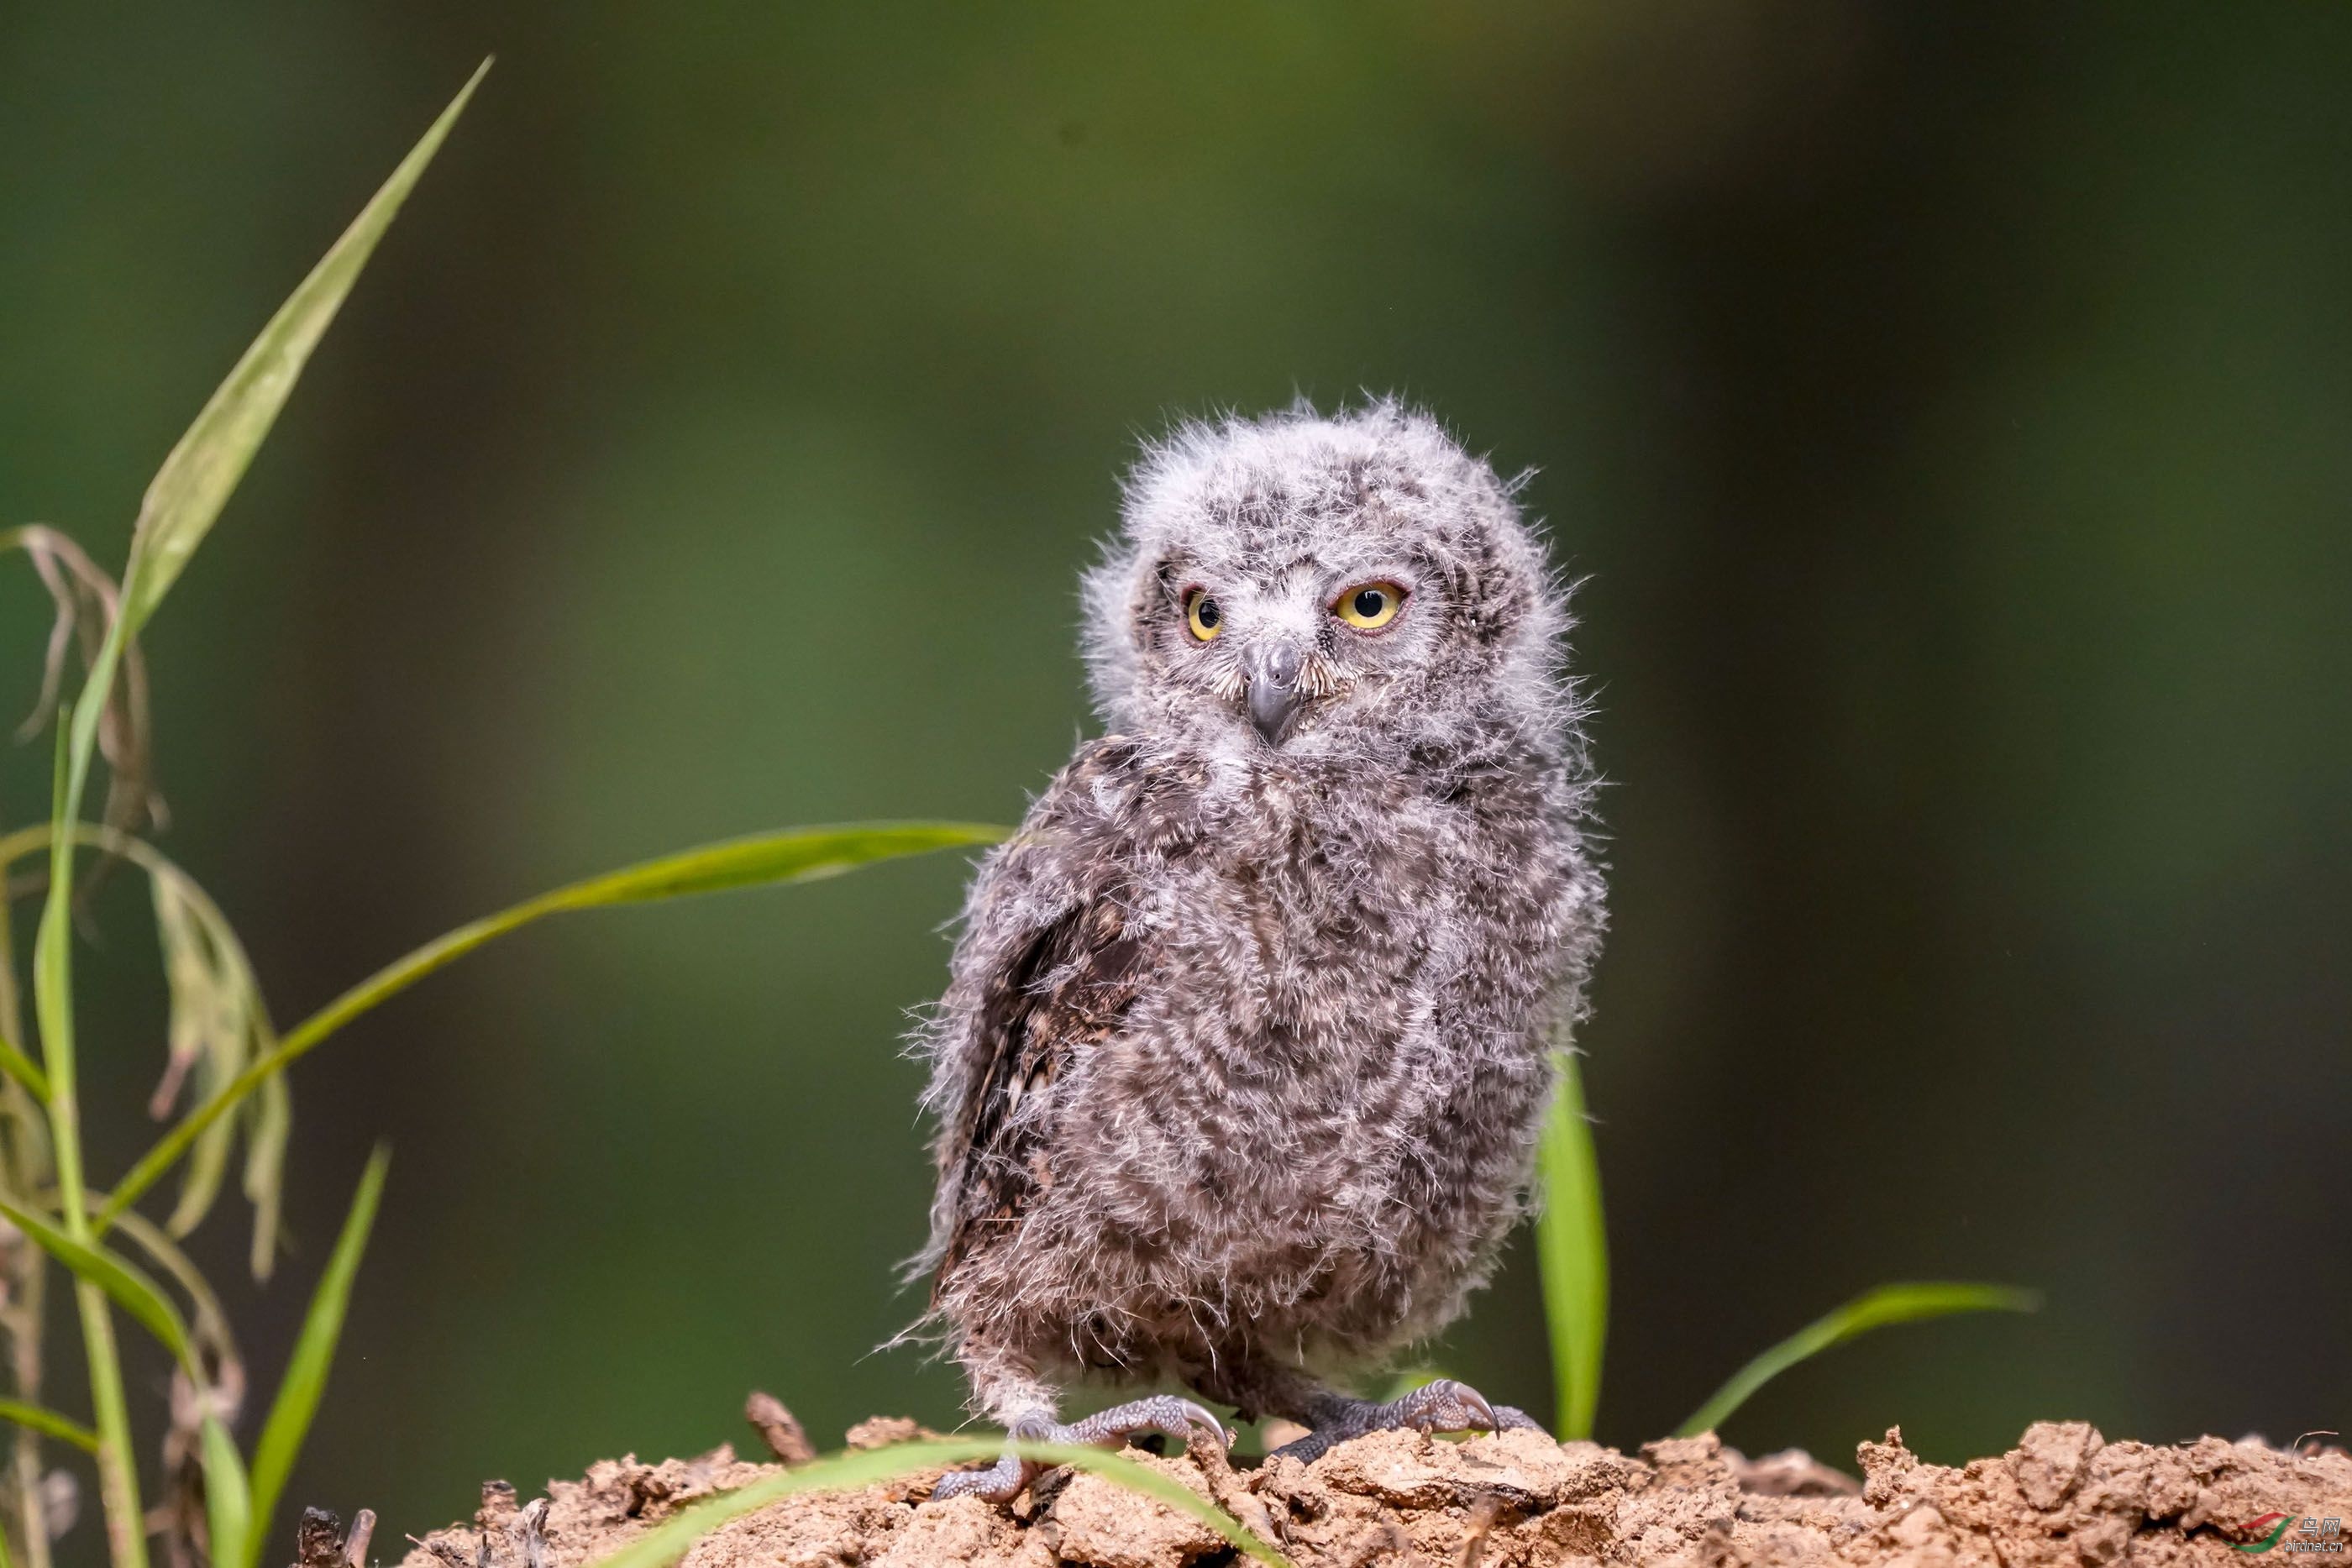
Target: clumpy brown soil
[{"x": 2063, "y": 1498}]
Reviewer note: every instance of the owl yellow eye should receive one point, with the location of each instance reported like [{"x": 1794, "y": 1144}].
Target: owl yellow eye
[
  {"x": 1368, "y": 606},
  {"x": 1201, "y": 614}
]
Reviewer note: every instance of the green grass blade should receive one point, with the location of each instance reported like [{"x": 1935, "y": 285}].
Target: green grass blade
[
  {"x": 53, "y": 978},
  {"x": 314, "y": 1353},
  {"x": 23, "y": 1070},
  {"x": 268, "y": 1130},
  {"x": 49, "y": 1423},
  {"x": 217, "y": 1018},
  {"x": 195, "y": 481},
  {"x": 210, "y": 1029},
  {"x": 1572, "y": 1247},
  {"x": 118, "y": 1464},
  {"x": 667, "y": 1542},
  {"x": 1874, "y": 1309},
  {"x": 179, "y": 508},
  {"x": 118, "y": 1468},
  {"x": 130, "y": 1287},
  {"x": 229, "y": 1506},
  {"x": 796, "y": 854},
  {"x": 799, "y": 854},
  {"x": 199, "y": 474}
]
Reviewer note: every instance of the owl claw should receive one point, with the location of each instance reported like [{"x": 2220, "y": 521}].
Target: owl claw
[
  {"x": 1161, "y": 1413},
  {"x": 1000, "y": 1483},
  {"x": 1011, "y": 1475},
  {"x": 1441, "y": 1405}
]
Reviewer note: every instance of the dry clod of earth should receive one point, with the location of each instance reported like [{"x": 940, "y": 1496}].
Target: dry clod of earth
[{"x": 2063, "y": 1498}]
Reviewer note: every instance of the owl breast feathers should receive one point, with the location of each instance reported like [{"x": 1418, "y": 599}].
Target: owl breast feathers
[{"x": 1248, "y": 1034}]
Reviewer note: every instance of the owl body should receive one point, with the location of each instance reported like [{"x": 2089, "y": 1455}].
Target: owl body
[{"x": 1247, "y": 1040}]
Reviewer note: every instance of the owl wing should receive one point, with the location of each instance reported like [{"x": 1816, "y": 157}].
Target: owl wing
[{"x": 1051, "y": 962}]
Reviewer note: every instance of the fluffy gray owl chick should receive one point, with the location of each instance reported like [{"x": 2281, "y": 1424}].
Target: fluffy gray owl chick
[{"x": 1240, "y": 1070}]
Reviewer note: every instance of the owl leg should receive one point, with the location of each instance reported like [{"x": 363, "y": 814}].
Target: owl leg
[
  {"x": 1331, "y": 1418},
  {"x": 1015, "y": 1396}
]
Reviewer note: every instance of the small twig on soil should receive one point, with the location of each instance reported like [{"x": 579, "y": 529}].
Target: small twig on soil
[
  {"x": 355, "y": 1544},
  {"x": 779, "y": 1429}
]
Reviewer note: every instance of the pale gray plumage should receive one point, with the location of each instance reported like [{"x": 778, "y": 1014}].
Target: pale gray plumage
[{"x": 1242, "y": 1063}]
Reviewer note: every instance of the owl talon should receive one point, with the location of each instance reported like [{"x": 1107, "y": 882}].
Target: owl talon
[
  {"x": 1441, "y": 1405},
  {"x": 1163, "y": 1413},
  {"x": 1011, "y": 1475},
  {"x": 1000, "y": 1483}
]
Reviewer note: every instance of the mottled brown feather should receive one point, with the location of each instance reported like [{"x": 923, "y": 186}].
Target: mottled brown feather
[{"x": 1067, "y": 990}]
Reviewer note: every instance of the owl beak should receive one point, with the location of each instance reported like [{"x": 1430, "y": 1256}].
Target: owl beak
[{"x": 1274, "y": 691}]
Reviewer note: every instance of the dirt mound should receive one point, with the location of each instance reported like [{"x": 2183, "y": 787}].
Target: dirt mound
[{"x": 2063, "y": 1498}]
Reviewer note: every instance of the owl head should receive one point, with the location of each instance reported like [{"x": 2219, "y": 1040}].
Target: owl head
[{"x": 1351, "y": 585}]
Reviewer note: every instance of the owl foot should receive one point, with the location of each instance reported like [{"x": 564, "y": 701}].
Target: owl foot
[
  {"x": 1011, "y": 1475},
  {"x": 1442, "y": 1405}
]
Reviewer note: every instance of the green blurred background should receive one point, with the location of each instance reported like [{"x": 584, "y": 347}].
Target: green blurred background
[{"x": 1952, "y": 413}]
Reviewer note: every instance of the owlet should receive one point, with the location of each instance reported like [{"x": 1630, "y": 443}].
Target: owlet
[{"x": 1249, "y": 1033}]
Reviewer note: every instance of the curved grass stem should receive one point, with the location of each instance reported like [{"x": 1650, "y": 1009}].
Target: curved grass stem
[{"x": 800, "y": 854}]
